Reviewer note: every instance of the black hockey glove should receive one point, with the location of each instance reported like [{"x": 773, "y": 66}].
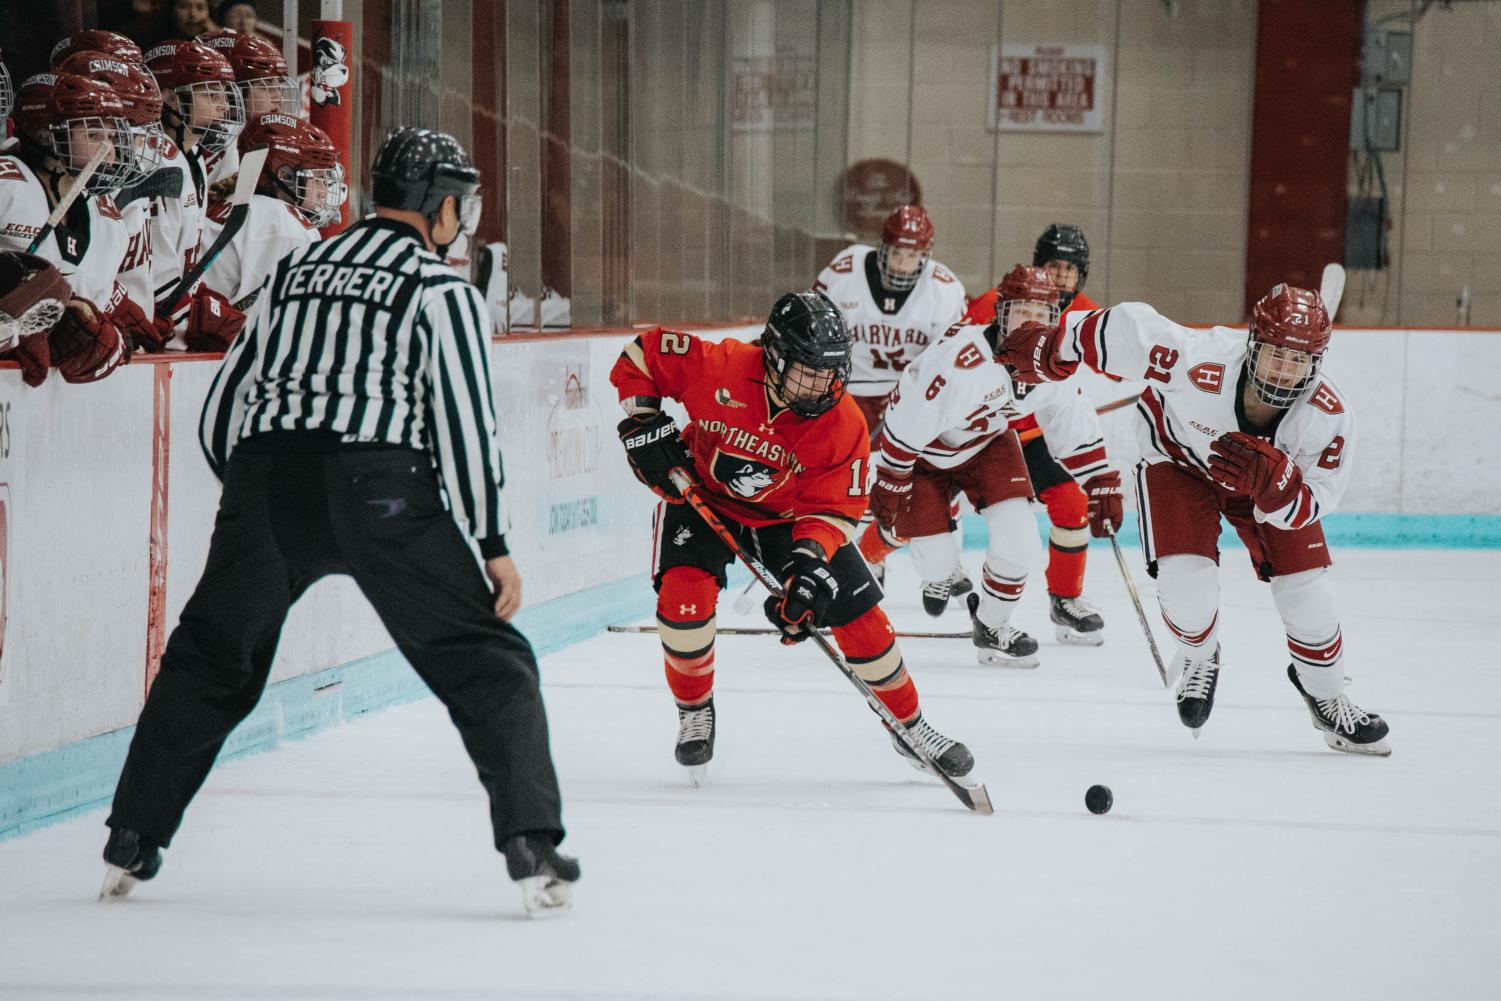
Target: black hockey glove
[
  {"x": 810, "y": 592},
  {"x": 654, "y": 450}
]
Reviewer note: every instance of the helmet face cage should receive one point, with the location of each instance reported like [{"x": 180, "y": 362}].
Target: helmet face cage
[
  {"x": 149, "y": 143},
  {"x": 218, "y": 132},
  {"x": 269, "y": 95},
  {"x": 1003, "y": 313},
  {"x": 1273, "y": 358},
  {"x": 7, "y": 93},
  {"x": 809, "y": 386},
  {"x": 318, "y": 192},
  {"x": 898, "y": 282},
  {"x": 75, "y": 140}
]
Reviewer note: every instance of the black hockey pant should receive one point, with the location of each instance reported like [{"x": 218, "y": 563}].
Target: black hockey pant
[{"x": 287, "y": 518}]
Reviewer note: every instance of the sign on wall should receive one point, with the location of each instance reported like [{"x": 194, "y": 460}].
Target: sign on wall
[
  {"x": 768, "y": 92},
  {"x": 1048, "y": 88}
]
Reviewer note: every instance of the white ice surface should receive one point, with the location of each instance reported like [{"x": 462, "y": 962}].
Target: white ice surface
[{"x": 1253, "y": 863}]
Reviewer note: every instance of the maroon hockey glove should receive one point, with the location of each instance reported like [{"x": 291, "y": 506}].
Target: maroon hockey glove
[
  {"x": 1106, "y": 512},
  {"x": 1254, "y": 466},
  {"x": 654, "y": 449},
  {"x": 33, "y": 294},
  {"x": 135, "y": 328},
  {"x": 85, "y": 345},
  {"x": 32, "y": 355},
  {"x": 1031, "y": 352},
  {"x": 213, "y": 324},
  {"x": 810, "y": 589},
  {"x": 890, "y": 497}
]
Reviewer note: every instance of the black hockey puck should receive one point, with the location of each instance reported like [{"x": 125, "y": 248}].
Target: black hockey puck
[{"x": 1098, "y": 799}]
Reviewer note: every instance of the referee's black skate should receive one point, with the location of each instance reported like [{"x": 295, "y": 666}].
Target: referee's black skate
[
  {"x": 695, "y": 747},
  {"x": 1196, "y": 689},
  {"x": 1346, "y": 726},
  {"x": 545, "y": 877},
  {"x": 130, "y": 859},
  {"x": 948, "y": 754}
]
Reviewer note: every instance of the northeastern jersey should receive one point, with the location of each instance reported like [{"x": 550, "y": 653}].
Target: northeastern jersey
[
  {"x": 87, "y": 246},
  {"x": 951, "y": 403},
  {"x": 890, "y": 328},
  {"x": 272, "y": 230},
  {"x": 759, "y": 463},
  {"x": 1194, "y": 382}
]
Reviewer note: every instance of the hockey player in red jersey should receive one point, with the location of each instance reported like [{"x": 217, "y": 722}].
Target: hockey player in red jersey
[
  {"x": 781, "y": 452},
  {"x": 1061, "y": 251},
  {"x": 1245, "y": 427}
]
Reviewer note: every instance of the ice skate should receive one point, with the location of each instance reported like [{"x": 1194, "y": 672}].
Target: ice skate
[
  {"x": 695, "y": 746},
  {"x": 128, "y": 860},
  {"x": 545, "y": 877},
  {"x": 1346, "y": 726},
  {"x": 1196, "y": 686},
  {"x": 959, "y": 582},
  {"x": 935, "y": 595},
  {"x": 949, "y": 755},
  {"x": 1004, "y": 647},
  {"x": 1079, "y": 623}
]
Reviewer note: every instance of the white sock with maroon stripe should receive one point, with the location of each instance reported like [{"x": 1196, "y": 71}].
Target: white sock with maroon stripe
[
  {"x": 1188, "y": 591},
  {"x": 1307, "y": 606},
  {"x": 1015, "y": 546}
]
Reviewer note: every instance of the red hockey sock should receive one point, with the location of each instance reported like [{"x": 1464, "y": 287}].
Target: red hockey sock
[
  {"x": 869, "y": 645},
  {"x": 685, "y": 622},
  {"x": 1068, "y": 542},
  {"x": 876, "y": 544}
]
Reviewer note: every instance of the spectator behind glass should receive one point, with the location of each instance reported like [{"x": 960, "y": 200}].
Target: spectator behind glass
[
  {"x": 184, "y": 19},
  {"x": 237, "y": 15}
]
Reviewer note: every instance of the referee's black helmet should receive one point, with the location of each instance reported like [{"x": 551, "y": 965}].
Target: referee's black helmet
[{"x": 416, "y": 169}]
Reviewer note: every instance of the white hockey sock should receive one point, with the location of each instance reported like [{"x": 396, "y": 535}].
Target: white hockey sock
[
  {"x": 1188, "y": 591},
  {"x": 1309, "y": 613},
  {"x": 934, "y": 556},
  {"x": 1014, "y": 547}
]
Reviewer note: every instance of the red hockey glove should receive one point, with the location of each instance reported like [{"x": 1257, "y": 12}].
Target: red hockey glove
[
  {"x": 85, "y": 345},
  {"x": 1254, "y": 466},
  {"x": 810, "y": 589},
  {"x": 1031, "y": 352},
  {"x": 135, "y": 328},
  {"x": 890, "y": 497},
  {"x": 1106, "y": 512},
  {"x": 213, "y": 324}
]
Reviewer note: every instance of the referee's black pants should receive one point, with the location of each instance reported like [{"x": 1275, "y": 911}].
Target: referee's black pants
[{"x": 287, "y": 518}]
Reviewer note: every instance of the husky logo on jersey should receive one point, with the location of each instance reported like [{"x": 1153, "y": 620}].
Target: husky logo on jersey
[
  {"x": 1209, "y": 377},
  {"x": 746, "y": 478},
  {"x": 683, "y": 535}
]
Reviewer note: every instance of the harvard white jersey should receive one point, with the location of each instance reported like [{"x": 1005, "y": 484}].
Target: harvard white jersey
[
  {"x": 951, "y": 403},
  {"x": 218, "y": 166},
  {"x": 86, "y": 246},
  {"x": 272, "y": 230},
  {"x": 890, "y": 328},
  {"x": 1066, "y": 416},
  {"x": 176, "y": 223},
  {"x": 135, "y": 266},
  {"x": 1193, "y": 380}
]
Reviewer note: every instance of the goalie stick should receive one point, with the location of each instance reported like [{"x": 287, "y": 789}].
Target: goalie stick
[
  {"x": 66, "y": 201},
  {"x": 245, "y": 182},
  {"x": 975, "y": 797}
]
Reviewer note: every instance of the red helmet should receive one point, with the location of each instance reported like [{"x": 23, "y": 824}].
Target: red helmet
[
  {"x": 1024, "y": 283},
  {"x": 189, "y": 69},
  {"x": 53, "y": 107},
  {"x": 135, "y": 87},
  {"x": 908, "y": 226},
  {"x": 302, "y": 166},
  {"x": 1295, "y": 325},
  {"x": 260, "y": 71},
  {"x": 108, "y": 42}
]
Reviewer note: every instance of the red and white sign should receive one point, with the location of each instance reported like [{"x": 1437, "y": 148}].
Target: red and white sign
[
  {"x": 1049, "y": 88},
  {"x": 773, "y": 92}
]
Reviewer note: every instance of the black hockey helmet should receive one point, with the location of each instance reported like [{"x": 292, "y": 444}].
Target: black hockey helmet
[
  {"x": 415, "y": 169},
  {"x": 1063, "y": 242},
  {"x": 807, "y": 346}
]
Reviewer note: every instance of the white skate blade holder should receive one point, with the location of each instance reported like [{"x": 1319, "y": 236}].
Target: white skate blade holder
[
  {"x": 697, "y": 775},
  {"x": 117, "y": 884},
  {"x": 1069, "y": 637},
  {"x": 997, "y": 659},
  {"x": 1377, "y": 749},
  {"x": 545, "y": 896}
]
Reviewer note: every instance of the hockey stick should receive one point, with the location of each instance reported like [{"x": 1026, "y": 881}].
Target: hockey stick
[
  {"x": 66, "y": 201},
  {"x": 245, "y": 182},
  {"x": 1332, "y": 288},
  {"x": 975, "y": 797},
  {"x": 743, "y": 602},
  {"x": 768, "y": 631},
  {"x": 1120, "y": 558}
]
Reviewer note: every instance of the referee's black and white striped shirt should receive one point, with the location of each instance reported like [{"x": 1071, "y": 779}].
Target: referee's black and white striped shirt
[{"x": 372, "y": 336}]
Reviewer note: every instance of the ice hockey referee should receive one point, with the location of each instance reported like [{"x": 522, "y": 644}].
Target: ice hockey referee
[{"x": 353, "y": 427}]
